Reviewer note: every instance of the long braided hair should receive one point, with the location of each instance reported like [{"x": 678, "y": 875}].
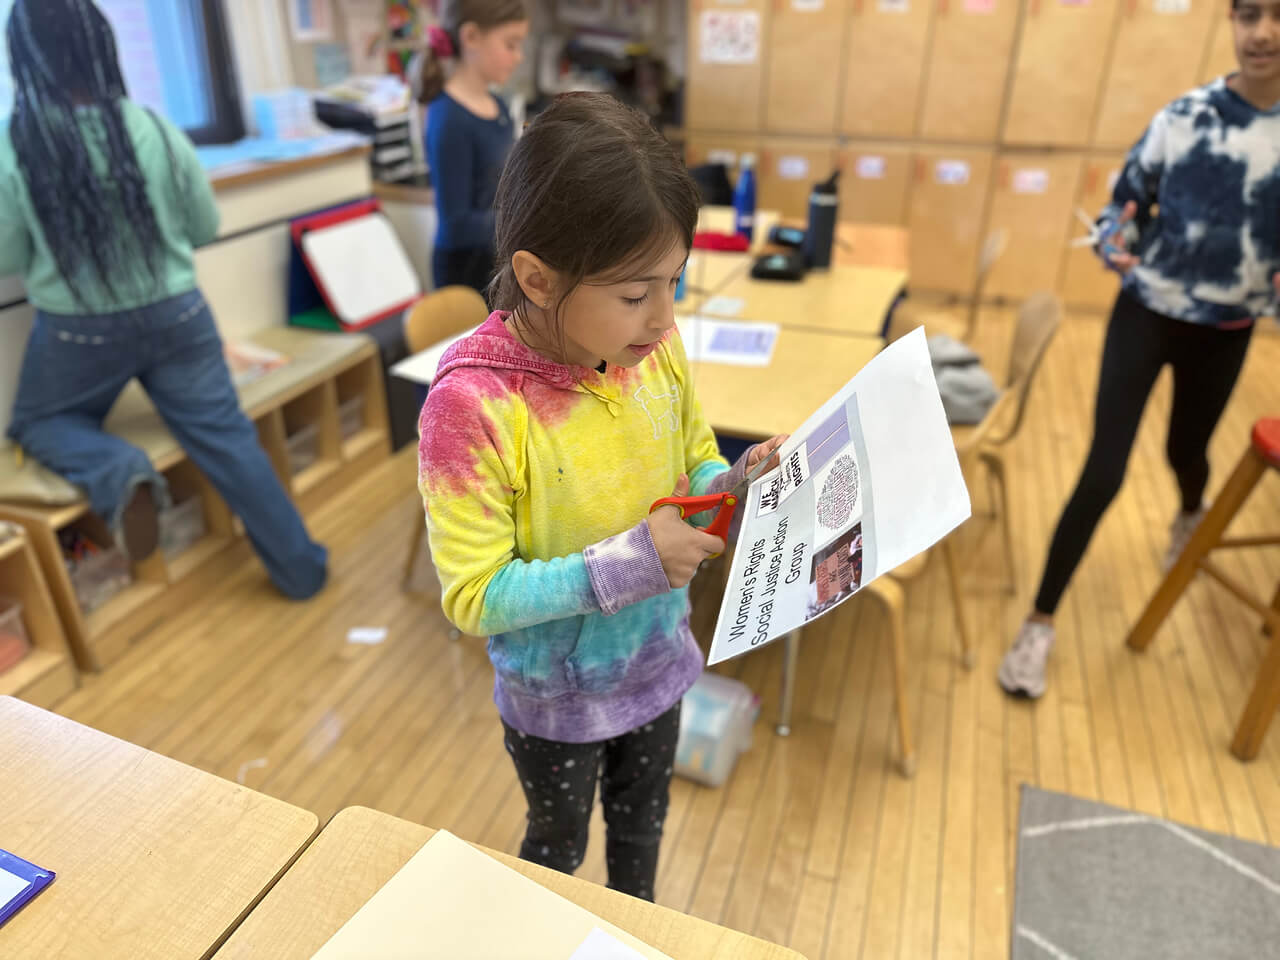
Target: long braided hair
[{"x": 96, "y": 222}]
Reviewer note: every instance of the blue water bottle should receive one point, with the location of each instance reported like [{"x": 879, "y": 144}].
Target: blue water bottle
[{"x": 744, "y": 198}]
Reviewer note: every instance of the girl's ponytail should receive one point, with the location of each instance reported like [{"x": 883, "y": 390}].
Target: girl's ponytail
[{"x": 429, "y": 77}]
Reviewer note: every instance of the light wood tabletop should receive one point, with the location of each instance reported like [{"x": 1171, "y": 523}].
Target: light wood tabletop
[
  {"x": 844, "y": 299},
  {"x": 708, "y": 271},
  {"x": 361, "y": 849},
  {"x": 807, "y": 369},
  {"x": 153, "y": 858}
]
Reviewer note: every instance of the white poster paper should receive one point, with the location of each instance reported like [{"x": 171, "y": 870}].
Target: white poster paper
[
  {"x": 894, "y": 6},
  {"x": 1173, "y": 7},
  {"x": 730, "y": 36},
  {"x": 866, "y": 483},
  {"x": 792, "y": 167},
  {"x": 870, "y": 167},
  {"x": 807, "y": 6},
  {"x": 952, "y": 172},
  {"x": 1030, "y": 180}
]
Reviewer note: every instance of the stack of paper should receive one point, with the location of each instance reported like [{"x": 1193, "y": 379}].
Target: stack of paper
[{"x": 451, "y": 900}]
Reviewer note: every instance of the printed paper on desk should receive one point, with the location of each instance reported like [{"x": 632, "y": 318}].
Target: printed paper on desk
[
  {"x": 865, "y": 484},
  {"x": 452, "y": 900},
  {"x": 732, "y": 342}
]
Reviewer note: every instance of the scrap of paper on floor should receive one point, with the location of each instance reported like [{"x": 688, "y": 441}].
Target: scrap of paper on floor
[{"x": 452, "y": 900}]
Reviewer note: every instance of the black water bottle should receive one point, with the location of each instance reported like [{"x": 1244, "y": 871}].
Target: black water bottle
[{"x": 821, "y": 234}]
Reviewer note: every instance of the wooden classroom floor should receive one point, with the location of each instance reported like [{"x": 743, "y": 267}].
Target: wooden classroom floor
[{"x": 816, "y": 841}]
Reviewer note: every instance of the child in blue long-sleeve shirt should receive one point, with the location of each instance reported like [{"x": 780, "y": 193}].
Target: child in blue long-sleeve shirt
[{"x": 469, "y": 129}]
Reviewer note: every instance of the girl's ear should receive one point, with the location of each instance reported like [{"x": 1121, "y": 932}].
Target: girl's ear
[
  {"x": 469, "y": 35},
  {"x": 536, "y": 279}
]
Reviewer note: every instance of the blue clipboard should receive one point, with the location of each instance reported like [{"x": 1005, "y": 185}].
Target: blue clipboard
[{"x": 20, "y": 881}]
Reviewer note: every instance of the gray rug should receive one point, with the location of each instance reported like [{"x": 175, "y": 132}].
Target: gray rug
[{"x": 1098, "y": 883}]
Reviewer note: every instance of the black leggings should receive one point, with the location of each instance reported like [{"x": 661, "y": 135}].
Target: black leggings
[
  {"x": 559, "y": 781},
  {"x": 1206, "y": 362}
]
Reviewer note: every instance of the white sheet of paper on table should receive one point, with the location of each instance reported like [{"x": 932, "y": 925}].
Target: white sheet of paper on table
[
  {"x": 724, "y": 306},
  {"x": 367, "y": 635},
  {"x": 600, "y": 946},
  {"x": 731, "y": 342},
  {"x": 421, "y": 367},
  {"x": 11, "y": 885},
  {"x": 452, "y": 900}
]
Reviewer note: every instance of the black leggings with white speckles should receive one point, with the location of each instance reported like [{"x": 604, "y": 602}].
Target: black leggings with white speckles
[{"x": 559, "y": 781}]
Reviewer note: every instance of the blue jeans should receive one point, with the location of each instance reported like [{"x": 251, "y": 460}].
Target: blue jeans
[{"x": 72, "y": 373}]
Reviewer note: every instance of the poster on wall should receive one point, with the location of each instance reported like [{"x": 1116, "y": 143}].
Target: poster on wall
[
  {"x": 311, "y": 20},
  {"x": 730, "y": 36}
]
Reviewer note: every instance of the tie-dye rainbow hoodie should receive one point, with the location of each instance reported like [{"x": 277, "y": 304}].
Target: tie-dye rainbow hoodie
[{"x": 537, "y": 478}]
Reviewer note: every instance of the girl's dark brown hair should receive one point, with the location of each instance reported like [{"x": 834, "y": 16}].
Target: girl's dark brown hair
[
  {"x": 485, "y": 14},
  {"x": 596, "y": 193}
]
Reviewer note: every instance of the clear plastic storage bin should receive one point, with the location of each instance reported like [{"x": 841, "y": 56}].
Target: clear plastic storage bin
[
  {"x": 716, "y": 719},
  {"x": 14, "y": 644},
  {"x": 304, "y": 448},
  {"x": 100, "y": 577},
  {"x": 182, "y": 526}
]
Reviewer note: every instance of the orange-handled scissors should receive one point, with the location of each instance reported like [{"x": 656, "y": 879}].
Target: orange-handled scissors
[{"x": 727, "y": 502}]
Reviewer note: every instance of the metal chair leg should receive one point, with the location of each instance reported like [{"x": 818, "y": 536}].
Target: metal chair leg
[{"x": 791, "y": 656}]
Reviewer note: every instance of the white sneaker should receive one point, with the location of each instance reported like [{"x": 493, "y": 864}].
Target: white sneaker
[
  {"x": 1180, "y": 531},
  {"x": 1022, "y": 670}
]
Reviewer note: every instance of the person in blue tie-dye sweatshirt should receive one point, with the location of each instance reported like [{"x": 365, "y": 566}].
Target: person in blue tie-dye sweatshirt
[{"x": 1194, "y": 228}]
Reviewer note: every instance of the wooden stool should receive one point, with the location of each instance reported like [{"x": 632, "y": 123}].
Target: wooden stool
[{"x": 1262, "y": 455}]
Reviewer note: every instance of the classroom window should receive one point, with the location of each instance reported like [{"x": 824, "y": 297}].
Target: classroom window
[{"x": 176, "y": 60}]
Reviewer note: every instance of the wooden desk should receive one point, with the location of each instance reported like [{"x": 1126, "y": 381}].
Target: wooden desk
[
  {"x": 361, "y": 849},
  {"x": 709, "y": 271},
  {"x": 807, "y": 369},
  {"x": 845, "y": 299},
  {"x": 857, "y": 244},
  {"x": 154, "y": 858}
]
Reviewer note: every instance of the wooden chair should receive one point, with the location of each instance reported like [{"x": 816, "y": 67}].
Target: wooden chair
[
  {"x": 907, "y": 317},
  {"x": 1263, "y": 454},
  {"x": 1038, "y": 321},
  {"x": 437, "y": 316}
]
